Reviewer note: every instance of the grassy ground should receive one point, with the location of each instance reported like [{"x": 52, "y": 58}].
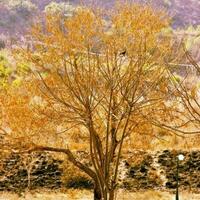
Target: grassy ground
[{"x": 87, "y": 195}]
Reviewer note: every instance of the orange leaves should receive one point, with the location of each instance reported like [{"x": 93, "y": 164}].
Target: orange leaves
[
  {"x": 132, "y": 28},
  {"x": 68, "y": 35},
  {"x": 136, "y": 28},
  {"x": 18, "y": 116}
]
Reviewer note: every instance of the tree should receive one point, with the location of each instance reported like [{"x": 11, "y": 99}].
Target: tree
[
  {"x": 98, "y": 82},
  {"x": 187, "y": 92}
]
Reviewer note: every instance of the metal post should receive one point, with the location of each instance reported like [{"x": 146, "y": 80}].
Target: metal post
[{"x": 177, "y": 176}]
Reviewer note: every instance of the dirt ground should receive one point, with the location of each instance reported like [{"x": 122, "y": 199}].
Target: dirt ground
[{"x": 87, "y": 195}]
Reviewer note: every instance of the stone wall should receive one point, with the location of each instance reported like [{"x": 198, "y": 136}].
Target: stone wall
[
  {"x": 44, "y": 172},
  {"x": 138, "y": 170},
  {"x": 158, "y": 171}
]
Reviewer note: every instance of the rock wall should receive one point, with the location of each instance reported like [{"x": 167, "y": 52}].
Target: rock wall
[
  {"x": 44, "y": 172},
  {"x": 189, "y": 169},
  {"x": 159, "y": 171},
  {"x": 138, "y": 170}
]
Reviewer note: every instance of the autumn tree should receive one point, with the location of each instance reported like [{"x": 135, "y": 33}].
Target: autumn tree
[
  {"x": 97, "y": 80},
  {"x": 186, "y": 91}
]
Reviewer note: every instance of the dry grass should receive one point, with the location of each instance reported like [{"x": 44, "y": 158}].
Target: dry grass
[{"x": 87, "y": 195}]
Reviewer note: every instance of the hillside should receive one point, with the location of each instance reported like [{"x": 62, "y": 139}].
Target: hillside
[{"x": 17, "y": 15}]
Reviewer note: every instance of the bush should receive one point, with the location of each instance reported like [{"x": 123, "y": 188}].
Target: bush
[{"x": 79, "y": 183}]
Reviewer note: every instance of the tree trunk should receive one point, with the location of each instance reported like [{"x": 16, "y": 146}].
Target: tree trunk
[
  {"x": 99, "y": 196},
  {"x": 97, "y": 192},
  {"x": 111, "y": 195},
  {"x": 29, "y": 180}
]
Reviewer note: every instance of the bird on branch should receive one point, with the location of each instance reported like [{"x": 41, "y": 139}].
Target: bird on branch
[{"x": 123, "y": 53}]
